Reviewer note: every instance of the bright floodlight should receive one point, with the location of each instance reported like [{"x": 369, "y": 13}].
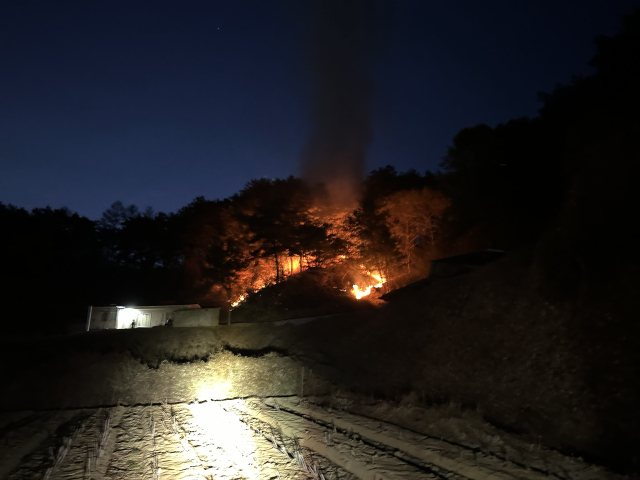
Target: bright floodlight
[{"x": 126, "y": 316}]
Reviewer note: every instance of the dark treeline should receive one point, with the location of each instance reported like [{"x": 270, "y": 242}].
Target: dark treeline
[{"x": 563, "y": 181}]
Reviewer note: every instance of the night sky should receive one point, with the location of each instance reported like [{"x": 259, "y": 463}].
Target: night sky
[{"x": 155, "y": 103}]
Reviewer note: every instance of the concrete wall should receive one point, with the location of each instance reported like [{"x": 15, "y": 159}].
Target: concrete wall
[
  {"x": 103, "y": 318},
  {"x": 202, "y": 317}
]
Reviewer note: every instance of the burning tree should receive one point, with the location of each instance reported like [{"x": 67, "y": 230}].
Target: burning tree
[{"x": 278, "y": 215}]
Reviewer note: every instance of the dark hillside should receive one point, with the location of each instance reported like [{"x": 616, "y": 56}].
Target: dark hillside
[{"x": 561, "y": 370}]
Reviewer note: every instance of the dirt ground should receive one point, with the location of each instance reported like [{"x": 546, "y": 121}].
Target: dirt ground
[{"x": 271, "y": 438}]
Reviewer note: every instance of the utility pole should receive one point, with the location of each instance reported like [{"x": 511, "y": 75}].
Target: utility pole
[{"x": 89, "y": 317}]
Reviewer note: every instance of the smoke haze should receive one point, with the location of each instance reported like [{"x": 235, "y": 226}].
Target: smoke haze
[{"x": 343, "y": 41}]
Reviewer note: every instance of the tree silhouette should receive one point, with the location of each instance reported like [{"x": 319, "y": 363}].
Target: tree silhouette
[{"x": 115, "y": 216}]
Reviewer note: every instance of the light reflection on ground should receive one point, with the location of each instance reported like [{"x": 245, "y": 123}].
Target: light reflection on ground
[{"x": 225, "y": 438}]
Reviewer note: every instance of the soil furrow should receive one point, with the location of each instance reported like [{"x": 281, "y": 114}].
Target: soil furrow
[
  {"x": 26, "y": 449},
  {"x": 416, "y": 447},
  {"x": 363, "y": 461}
]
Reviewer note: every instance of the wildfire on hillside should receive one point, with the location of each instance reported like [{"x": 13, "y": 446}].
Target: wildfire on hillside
[
  {"x": 359, "y": 281},
  {"x": 367, "y": 281},
  {"x": 262, "y": 275}
]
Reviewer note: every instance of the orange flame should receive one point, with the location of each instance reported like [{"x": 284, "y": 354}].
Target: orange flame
[
  {"x": 359, "y": 292},
  {"x": 239, "y": 301}
]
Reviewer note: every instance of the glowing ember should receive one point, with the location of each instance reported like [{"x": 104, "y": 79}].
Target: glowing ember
[
  {"x": 291, "y": 266},
  {"x": 239, "y": 301},
  {"x": 359, "y": 292},
  {"x": 243, "y": 297}
]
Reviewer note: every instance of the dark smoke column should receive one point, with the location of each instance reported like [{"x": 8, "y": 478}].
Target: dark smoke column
[{"x": 340, "y": 60}]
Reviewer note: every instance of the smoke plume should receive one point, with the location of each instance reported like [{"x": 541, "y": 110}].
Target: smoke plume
[{"x": 343, "y": 40}]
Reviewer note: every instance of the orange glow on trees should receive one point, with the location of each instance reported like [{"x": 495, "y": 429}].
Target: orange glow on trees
[{"x": 412, "y": 214}]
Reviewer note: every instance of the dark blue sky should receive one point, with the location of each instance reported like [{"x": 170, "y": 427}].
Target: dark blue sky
[{"x": 155, "y": 103}]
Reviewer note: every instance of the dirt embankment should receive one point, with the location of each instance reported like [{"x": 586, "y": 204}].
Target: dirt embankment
[{"x": 139, "y": 367}]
